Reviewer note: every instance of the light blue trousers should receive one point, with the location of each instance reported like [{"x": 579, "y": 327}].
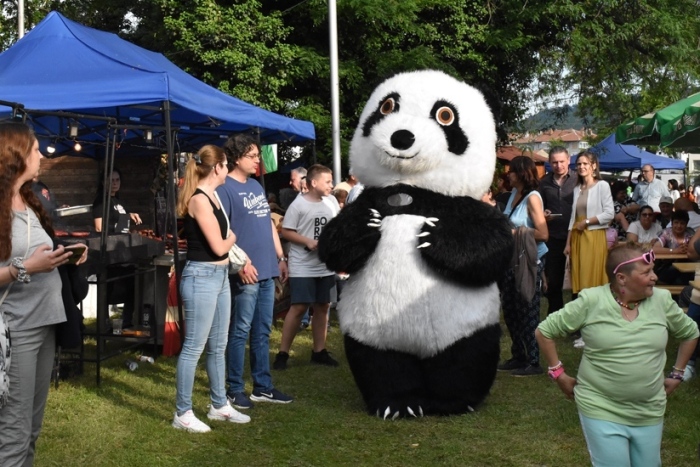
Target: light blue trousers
[{"x": 614, "y": 445}]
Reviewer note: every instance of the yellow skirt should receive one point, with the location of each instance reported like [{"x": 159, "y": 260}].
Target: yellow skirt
[{"x": 589, "y": 250}]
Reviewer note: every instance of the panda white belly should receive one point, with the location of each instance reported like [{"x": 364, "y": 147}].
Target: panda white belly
[{"x": 397, "y": 302}]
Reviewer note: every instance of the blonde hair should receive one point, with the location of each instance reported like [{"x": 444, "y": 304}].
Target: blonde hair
[{"x": 198, "y": 167}]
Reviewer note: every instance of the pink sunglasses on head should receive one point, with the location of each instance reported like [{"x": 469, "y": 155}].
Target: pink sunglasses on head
[{"x": 647, "y": 257}]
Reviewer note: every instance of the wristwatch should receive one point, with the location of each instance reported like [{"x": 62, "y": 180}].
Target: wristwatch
[
  {"x": 588, "y": 222},
  {"x": 22, "y": 275},
  {"x": 279, "y": 260}
]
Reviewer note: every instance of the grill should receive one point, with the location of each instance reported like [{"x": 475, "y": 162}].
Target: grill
[{"x": 125, "y": 248}]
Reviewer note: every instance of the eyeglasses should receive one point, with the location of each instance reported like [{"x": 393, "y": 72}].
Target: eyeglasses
[
  {"x": 647, "y": 257},
  {"x": 252, "y": 156}
]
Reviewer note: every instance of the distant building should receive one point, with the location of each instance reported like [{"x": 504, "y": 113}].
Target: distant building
[{"x": 574, "y": 141}]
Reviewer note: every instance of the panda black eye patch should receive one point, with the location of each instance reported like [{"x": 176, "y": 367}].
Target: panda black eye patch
[
  {"x": 446, "y": 115},
  {"x": 388, "y": 105}
]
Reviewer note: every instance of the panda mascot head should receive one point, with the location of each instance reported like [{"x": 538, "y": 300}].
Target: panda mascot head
[
  {"x": 426, "y": 129},
  {"x": 420, "y": 311}
]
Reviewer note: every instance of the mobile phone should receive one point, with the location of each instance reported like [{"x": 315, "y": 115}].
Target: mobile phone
[
  {"x": 555, "y": 215},
  {"x": 77, "y": 251}
]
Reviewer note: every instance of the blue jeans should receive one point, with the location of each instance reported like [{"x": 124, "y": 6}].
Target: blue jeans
[
  {"x": 206, "y": 301},
  {"x": 253, "y": 306}
]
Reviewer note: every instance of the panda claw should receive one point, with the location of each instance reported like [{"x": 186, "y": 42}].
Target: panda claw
[
  {"x": 470, "y": 408},
  {"x": 396, "y": 415},
  {"x": 387, "y": 412},
  {"x": 374, "y": 225},
  {"x": 420, "y": 410},
  {"x": 423, "y": 245},
  {"x": 431, "y": 221},
  {"x": 374, "y": 212},
  {"x": 410, "y": 412},
  {"x": 423, "y": 234}
]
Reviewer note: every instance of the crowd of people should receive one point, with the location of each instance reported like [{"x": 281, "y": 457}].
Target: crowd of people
[
  {"x": 607, "y": 240},
  {"x": 560, "y": 221}
]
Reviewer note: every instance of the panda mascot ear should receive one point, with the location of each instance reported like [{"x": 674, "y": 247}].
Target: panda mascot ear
[{"x": 493, "y": 100}]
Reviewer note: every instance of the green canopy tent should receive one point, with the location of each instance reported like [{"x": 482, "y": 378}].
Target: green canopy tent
[{"x": 675, "y": 126}]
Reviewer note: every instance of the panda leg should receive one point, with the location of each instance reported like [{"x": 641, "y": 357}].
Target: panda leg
[
  {"x": 460, "y": 377},
  {"x": 391, "y": 382}
]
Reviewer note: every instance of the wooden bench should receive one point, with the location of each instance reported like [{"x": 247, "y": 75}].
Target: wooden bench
[{"x": 674, "y": 289}]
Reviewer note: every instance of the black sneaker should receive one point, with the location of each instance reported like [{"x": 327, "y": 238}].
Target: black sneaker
[
  {"x": 511, "y": 364},
  {"x": 323, "y": 358},
  {"x": 530, "y": 370},
  {"x": 240, "y": 401},
  {"x": 273, "y": 396},
  {"x": 280, "y": 362}
]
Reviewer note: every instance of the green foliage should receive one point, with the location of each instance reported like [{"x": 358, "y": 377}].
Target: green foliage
[{"x": 617, "y": 59}]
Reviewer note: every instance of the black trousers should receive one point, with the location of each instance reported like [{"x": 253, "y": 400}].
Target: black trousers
[{"x": 554, "y": 270}]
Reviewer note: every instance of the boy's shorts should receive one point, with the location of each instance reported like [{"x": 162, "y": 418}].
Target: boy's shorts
[{"x": 312, "y": 289}]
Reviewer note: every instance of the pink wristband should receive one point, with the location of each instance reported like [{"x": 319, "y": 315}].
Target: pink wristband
[{"x": 554, "y": 374}]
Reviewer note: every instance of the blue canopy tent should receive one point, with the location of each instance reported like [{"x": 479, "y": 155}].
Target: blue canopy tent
[
  {"x": 614, "y": 157},
  {"x": 78, "y": 84},
  {"x": 62, "y": 66}
]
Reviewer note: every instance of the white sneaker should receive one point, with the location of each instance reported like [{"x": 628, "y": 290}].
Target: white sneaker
[
  {"x": 689, "y": 372},
  {"x": 579, "y": 344},
  {"x": 227, "y": 413},
  {"x": 188, "y": 422}
]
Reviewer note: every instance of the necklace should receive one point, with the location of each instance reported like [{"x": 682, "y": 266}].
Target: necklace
[{"x": 629, "y": 306}]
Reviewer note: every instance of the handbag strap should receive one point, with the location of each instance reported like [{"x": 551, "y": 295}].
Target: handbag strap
[{"x": 228, "y": 223}]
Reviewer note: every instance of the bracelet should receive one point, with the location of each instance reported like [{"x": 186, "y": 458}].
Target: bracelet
[
  {"x": 678, "y": 370},
  {"x": 673, "y": 375},
  {"x": 555, "y": 374},
  {"x": 279, "y": 260},
  {"x": 558, "y": 365}
]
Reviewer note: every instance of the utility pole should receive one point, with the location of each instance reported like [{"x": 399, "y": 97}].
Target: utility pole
[
  {"x": 335, "y": 89},
  {"x": 20, "y": 19}
]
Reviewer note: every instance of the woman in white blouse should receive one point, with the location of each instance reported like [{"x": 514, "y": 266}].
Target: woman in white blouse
[
  {"x": 646, "y": 229},
  {"x": 593, "y": 210}
]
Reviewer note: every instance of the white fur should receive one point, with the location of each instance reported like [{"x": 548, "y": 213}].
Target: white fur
[
  {"x": 421, "y": 313},
  {"x": 432, "y": 166}
]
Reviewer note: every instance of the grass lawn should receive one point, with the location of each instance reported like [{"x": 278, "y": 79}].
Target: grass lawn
[{"x": 524, "y": 422}]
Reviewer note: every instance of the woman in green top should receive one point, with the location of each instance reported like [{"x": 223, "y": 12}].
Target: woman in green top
[{"x": 620, "y": 389}]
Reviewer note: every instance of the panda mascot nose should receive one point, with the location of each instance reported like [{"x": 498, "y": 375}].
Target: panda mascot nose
[{"x": 402, "y": 139}]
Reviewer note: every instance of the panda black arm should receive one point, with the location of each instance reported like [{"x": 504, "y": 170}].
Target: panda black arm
[
  {"x": 471, "y": 242},
  {"x": 347, "y": 242}
]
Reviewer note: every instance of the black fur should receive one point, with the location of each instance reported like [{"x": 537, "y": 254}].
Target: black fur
[
  {"x": 454, "y": 381},
  {"x": 471, "y": 243},
  {"x": 457, "y": 141},
  {"x": 377, "y": 116}
]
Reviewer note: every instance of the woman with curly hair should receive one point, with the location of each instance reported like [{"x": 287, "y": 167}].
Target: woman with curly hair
[{"x": 30, "y": 292}]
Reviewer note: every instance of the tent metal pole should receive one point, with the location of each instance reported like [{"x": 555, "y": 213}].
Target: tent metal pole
[{"x": 172, "y": 209}]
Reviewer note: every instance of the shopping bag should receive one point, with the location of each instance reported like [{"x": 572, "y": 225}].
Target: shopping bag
[
  {"x": 172, "y": 339},
  {"x": 567, "y": 275}
]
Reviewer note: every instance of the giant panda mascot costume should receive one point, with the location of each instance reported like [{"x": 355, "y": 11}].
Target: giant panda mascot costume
[{"x": 420, "y": 312}]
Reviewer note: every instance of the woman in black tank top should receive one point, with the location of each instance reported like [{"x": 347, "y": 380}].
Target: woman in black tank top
[{"x": 206, "y": 296}]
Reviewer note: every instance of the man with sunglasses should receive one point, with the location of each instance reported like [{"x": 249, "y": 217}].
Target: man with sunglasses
[{"x": 650, "y": 190}]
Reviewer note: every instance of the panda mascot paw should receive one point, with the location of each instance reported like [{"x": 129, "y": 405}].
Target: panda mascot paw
[{"x": 420, "y": 311}]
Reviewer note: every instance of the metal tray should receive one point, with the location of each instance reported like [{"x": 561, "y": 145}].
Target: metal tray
[{"x": 74, "y": 210}]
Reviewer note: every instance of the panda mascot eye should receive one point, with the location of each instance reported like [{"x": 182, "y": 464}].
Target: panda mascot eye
[
  {"x": 387, "y": 106},
  {"x": 445, "y": 116}
]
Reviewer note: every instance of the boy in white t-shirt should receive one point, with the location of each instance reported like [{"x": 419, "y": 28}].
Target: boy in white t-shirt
[{"x": 311, "y": 283}]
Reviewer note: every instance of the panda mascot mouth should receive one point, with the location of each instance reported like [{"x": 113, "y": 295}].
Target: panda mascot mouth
[{"x": 420, "y": 310}]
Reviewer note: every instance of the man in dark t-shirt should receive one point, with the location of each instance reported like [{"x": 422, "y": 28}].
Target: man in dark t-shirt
[{"x": 557, "y": 190}]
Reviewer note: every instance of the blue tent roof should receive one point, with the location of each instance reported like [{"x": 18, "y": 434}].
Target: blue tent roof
[
  {"x": 61, "y": 65},
  {"x": 615, "y": 156}
]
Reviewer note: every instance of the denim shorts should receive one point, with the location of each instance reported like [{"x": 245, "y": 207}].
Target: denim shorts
[{"x": 312, "y": 289}]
